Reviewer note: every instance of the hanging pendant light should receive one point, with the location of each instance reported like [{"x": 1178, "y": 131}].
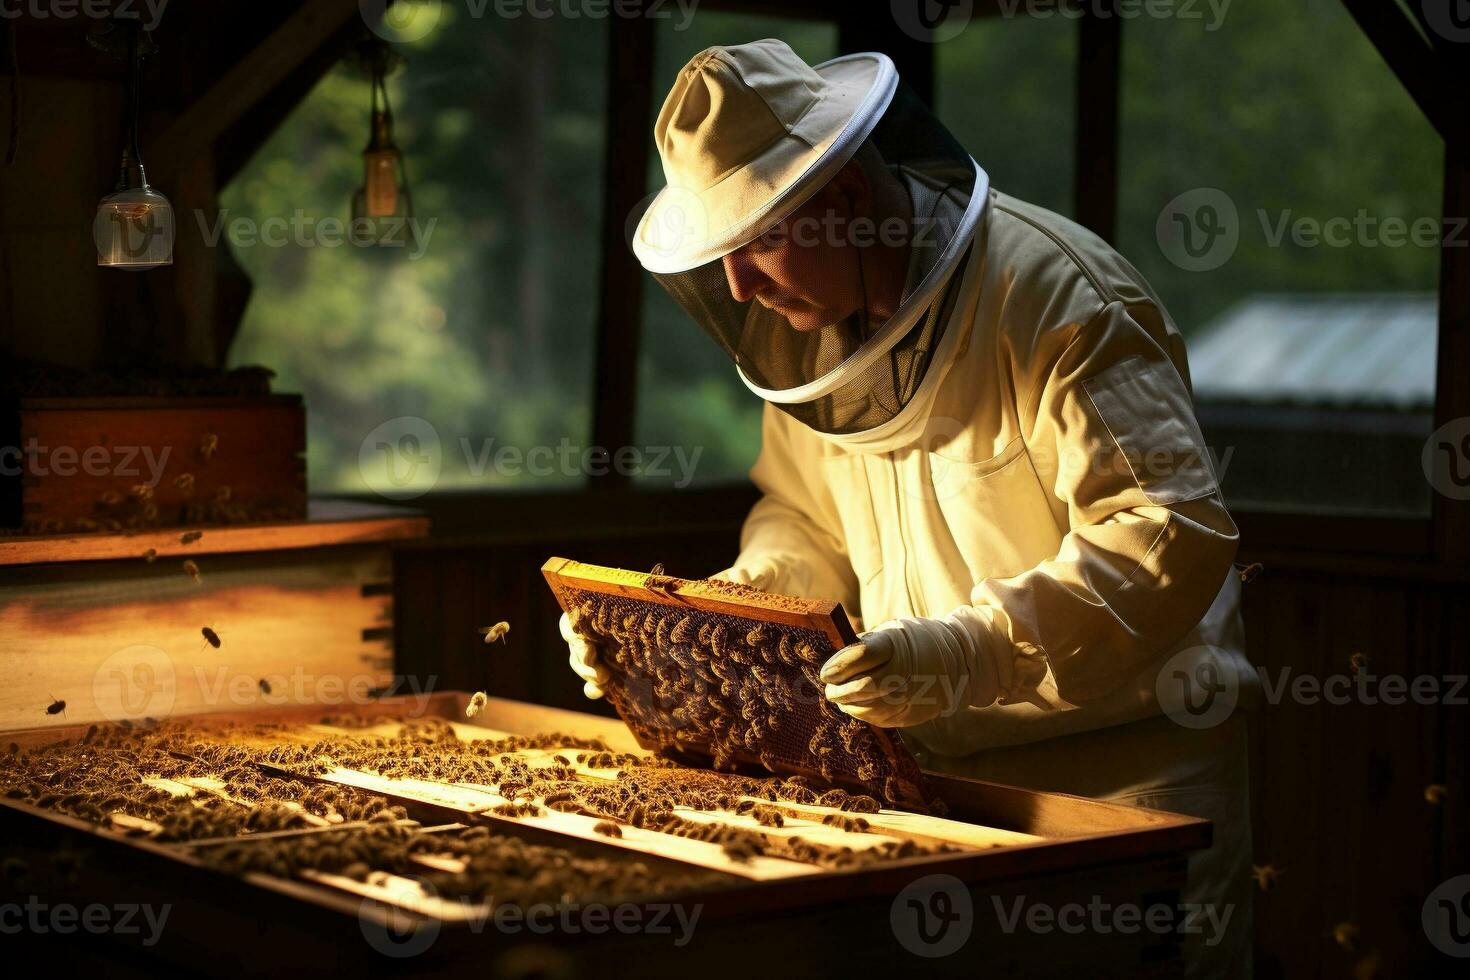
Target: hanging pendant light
[
  {"x": 134, "y": 225},
  {"x": 382, "y": 208}
]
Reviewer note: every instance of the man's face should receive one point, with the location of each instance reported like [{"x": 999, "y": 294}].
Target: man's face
[{"x": 806, "y": 268}]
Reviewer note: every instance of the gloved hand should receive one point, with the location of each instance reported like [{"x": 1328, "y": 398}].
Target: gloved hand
[
  {"x": 910, "y": 671},
  {"x": 763, "y": 574},
  {"x": 584, "y": 659}
]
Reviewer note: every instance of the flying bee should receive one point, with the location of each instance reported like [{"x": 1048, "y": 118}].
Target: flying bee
[
  {"x": 1249, "y": 572},
  {"x": 1266, "y": 876},
  {"x": 184, "y": 483},
  {"x": 1436, "y": 793},
  {"x": 265, "y": 686},
  {"x": 56, "y": 707},
  {"x": 151, "y": 555},
  {"x": 210, "y": 637},
  {"x": 189, "y": 537},
  {"x": 208, "y": 445},
  {"x": 496, "y": 632},
  {"x": 192, "y": 570},
  {"x": 110, "y": 498},
  {"x": 1359, "y": 661},
  {"x": 476, "y": 705}
]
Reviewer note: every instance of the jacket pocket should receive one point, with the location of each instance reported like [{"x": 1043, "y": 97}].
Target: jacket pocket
[
  {"x": 852, "y": 491},
  {"x": 1149, "y": 414},
  {"x": 996, "y": 510}
]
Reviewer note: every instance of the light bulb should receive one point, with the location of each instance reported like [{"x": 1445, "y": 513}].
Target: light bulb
[{"x": 381, "y": 182}]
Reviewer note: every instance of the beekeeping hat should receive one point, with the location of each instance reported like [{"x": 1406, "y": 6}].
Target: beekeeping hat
[{"x": 812, "y": 223}]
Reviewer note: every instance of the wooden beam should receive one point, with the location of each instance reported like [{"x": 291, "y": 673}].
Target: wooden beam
[
  {"x": 1095, "y": 152},
  {"x": 1423, "y": 71},
  {"x": 251, "y": 79},
  {"x": 1452, "y": 385},
  {"x": 629, "y": 137}
]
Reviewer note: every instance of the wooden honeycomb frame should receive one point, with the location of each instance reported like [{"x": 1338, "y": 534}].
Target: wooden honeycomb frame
[{"x": 801, "y": 732}]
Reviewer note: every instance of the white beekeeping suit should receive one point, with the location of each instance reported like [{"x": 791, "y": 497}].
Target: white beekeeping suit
[{"x": 979, "y": 436}]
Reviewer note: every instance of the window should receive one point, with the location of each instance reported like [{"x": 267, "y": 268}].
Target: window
[
  {"x": 484, "y": 328},
  {"x": 689, "y": 395},
  {"x": 1005, "y": 87},
  {"x": 1282, "y": 193}
]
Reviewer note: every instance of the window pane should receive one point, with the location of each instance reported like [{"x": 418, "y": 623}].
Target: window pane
[
  {"x": 1282, "y": 193},
  {"x": 484, "y": 328},
  {"x": 1004, "y": 86},
  {"x": 688, "y": 393}
]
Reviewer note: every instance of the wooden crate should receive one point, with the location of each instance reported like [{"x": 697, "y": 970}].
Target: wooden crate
[
  {"x": 89, "y": 464},
  {"x": 829, "y": 923}
]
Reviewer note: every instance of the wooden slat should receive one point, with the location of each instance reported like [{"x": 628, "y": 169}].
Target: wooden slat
[
  {"x": 328, "y": 523},
  {"x": 1452, "y": 393},
  {"x": 1095, "y": 135}
]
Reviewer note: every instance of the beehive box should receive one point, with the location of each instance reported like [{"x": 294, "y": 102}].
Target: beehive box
[
  {"x": 128, "y": 463},
  {"x": 999, "y": 844}
]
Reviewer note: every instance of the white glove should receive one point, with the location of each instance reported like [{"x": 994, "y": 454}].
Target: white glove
[
  {"x": 584, "y": 659},
  {"x": 910, "y": 671}
]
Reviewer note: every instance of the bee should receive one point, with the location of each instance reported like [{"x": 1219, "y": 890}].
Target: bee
[
  {"x": 496, "y": 632},
  {"x": 1249, "y": 572},
  {"x": 184, "y": 483},
  {"x": 476, "y": 705},
  {"x": 1436, "y": 793},
  {"x": 110, "y": 498},
  {"x": 192, "y": 570},
  {"x": 1359, "y": 662},
  {"x": 151, "y": 555},
  {"x": 211, "y": 637},
  {"x": 265, "y": 685},
  {"x": 189, "y": 537},
  {"x": 1345, "y": 934},
  {"x": 1266, "y": 876},
  {"x": 208, "y": 445},
  {"x": 142, "y": 491},
  {"x": 56, "y": 707}
]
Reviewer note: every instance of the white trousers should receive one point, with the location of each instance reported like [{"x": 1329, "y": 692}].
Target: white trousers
[{"x": 1158, "y": 764}]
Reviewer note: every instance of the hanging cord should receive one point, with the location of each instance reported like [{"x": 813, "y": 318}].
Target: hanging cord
[{"x": 13, "y": 147}]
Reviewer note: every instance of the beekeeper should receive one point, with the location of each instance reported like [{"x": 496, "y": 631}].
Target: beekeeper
[{"x": 978, "y": 433}]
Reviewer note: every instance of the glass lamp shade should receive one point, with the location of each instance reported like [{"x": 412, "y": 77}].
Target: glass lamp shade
[
  {"x": 134, "y": 229},
  {"x": 382, "y": 208}
]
